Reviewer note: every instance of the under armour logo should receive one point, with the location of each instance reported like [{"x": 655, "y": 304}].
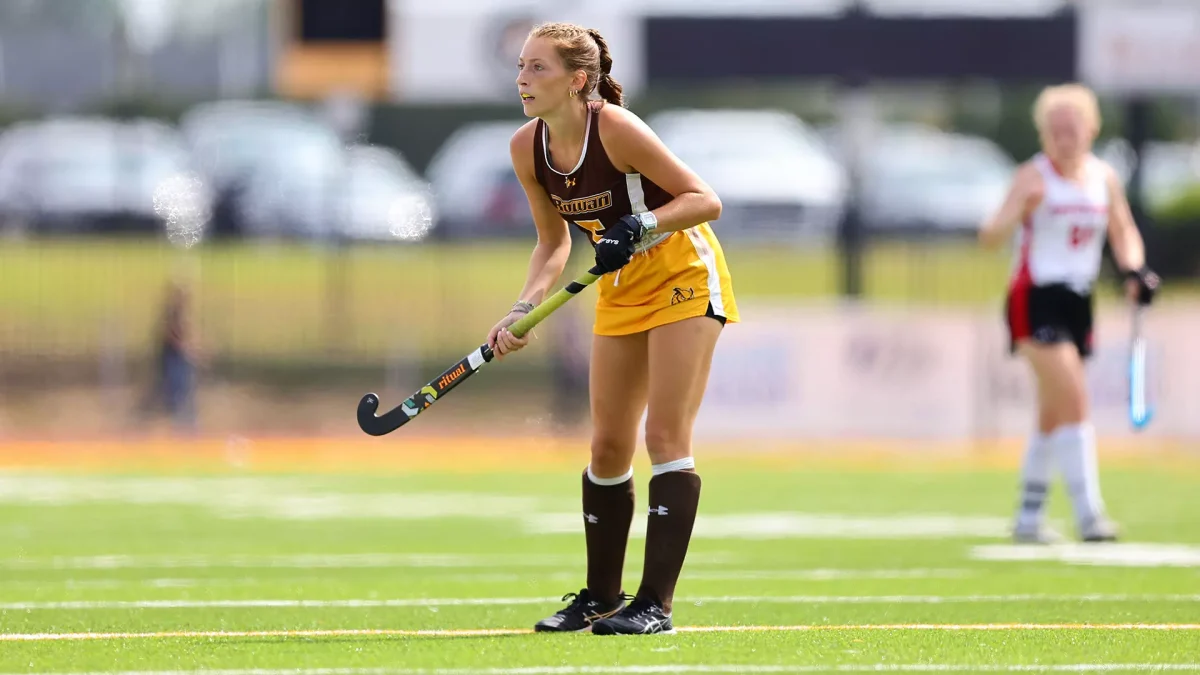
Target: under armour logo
[
  {"x": 658, "y": 510},
  {"x": 592, "y": 520},
  {"x": 570, "y": 182}
]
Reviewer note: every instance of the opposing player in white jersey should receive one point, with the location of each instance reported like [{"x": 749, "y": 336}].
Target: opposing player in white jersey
[{"x": 1063, "y": 204}]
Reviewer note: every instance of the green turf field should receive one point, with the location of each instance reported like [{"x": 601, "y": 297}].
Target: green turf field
[
  {"x": 288, "y": 302},
  {"x": 794, "y": 568}
]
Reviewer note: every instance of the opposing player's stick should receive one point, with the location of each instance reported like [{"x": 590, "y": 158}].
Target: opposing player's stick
[
  {"x": 1140, "y": 411},
  {"x": 378, "y": 425}
]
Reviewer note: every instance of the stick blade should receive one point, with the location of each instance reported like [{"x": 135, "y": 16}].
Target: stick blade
[
  {"x": 378, "y": 425},
  {"x": 1140, "y": 409}
]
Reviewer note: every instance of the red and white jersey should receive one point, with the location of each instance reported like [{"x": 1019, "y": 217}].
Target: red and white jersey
[{"x": 1063, "y": 239}]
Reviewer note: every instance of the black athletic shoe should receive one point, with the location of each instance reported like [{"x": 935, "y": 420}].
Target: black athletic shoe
[
  {"x": 580, "y": 615},
  {"x": 641, "y": 617}
]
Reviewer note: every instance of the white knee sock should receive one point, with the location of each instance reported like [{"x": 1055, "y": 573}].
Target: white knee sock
[
  {"x": 1075, "y": 446},
  {"x": 1036, "y": 471}
]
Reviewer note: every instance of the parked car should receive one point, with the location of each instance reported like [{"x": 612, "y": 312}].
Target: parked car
[
  {"x": 93, "y": 174},
  {"x": 368, "y": 193},
  {"x": 236, "y": 143},
  {"x": 1169, "y": 168},
  {"x": 477, "y": 193},
  {"x": 776, "y": 178},
  {"x": 920, "y": 179}
]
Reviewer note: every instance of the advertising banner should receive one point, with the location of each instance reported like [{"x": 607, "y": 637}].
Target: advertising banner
[
  {"x": 1150, "y": 47},
  {"x": 464, "y": 51},
  {"x": 861, "y": 372}
]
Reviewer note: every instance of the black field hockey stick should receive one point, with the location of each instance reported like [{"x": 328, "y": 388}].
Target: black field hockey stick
[{"x": 379, "y": 425}]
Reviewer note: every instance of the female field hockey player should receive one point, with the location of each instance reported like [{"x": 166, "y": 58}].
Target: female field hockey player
[
  {"x": 1066, "y": 202},
  {"x": 664, "y": 296}
]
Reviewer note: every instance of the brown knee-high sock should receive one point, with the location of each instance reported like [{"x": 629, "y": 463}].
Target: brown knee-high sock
[
  {"x": 674, "y": 498},
  {"x": 607, "y": 515}
]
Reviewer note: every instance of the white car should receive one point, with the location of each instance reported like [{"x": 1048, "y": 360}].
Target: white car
[
  {"x": 476, "y": 190},
  {"x": 232, "y": 139},
  {"x": 80, "y": 174},
  {"x": 919, "y": 178},
  {"x": 1169, "y": 168},
  {"x": 776, "y": 179},
  {"x": 368, "y": 193}
]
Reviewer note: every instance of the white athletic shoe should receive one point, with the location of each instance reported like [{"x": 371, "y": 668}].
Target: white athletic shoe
[
  {"x": 1098, "y": 529},
  {"x": 1037, "y": 534}
]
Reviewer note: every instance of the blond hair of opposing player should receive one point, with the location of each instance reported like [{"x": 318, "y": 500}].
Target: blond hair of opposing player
[{"x": 1067, "y": 118}]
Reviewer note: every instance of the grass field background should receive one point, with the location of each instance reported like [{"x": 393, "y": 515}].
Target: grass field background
[
  {"x": 368, "y": 567},
  {"x": 282, "y": 302}
]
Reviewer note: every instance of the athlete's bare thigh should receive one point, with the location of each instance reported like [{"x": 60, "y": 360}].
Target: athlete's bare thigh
[
  {"x": 617, "y": 383},
  {"x": 1061, "y": 382},
  {"x": 680, "y": 359}
]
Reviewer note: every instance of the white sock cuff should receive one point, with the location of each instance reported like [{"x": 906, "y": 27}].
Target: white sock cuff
[
  {"x": 606, "y": 482},
  {"x": 677, "y": 465},
  {"x": 1067, "y": 430}
]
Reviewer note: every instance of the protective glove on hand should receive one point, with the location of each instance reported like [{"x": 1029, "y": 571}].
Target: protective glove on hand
[
  {"x": 617, "y": 245},
  {"x": 1141, "y": 285}
]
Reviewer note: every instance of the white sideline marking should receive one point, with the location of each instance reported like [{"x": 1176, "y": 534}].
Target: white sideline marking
[
  {"x": 681, "y": 668},
  {"x": 650, "y": 670},
  {"x": 791, "y": 525},
  {"x": 1115, "y": 555},
  {"x": 307, "y": 499},
  {"x": 830, "y": 574},
  {"x": 42, "y": 637},
  {"x": 260, "y": 497},
  {"x": 305, "y": 560},
  {"x": 697, "y": 600},
  {"x": 299, "y": 561}
]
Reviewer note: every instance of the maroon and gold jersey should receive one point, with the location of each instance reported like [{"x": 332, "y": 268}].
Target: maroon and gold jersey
[
  {"x": 675, "y": 275},
  {"x": 594, "y": 195}
]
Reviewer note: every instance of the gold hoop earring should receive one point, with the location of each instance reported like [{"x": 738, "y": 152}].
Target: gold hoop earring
[{"x": 572, "y": 93}]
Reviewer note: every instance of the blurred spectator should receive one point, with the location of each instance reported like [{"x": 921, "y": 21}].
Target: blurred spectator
[{"x": 178, "y": 359}]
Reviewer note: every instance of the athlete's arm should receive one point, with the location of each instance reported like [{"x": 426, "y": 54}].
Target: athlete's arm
[
  {"x": 634, "y": 148},
  {"x": 1123, "y": 234},
  {"x": 553, "y": 247},
  {"x": 1129, "y": 251},
  {"x": 1022, "y": 198}
]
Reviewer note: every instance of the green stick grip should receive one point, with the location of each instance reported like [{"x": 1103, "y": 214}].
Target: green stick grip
[{"x": 526, "y": 323}]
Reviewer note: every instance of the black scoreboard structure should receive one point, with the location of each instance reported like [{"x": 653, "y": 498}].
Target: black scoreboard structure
[
  {"x": 330, "y": 46},
  {"x": 858, "y": 48}
]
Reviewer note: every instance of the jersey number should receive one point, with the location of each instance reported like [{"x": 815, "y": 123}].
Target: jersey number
[
  {"x": 1081, "y": 235},
  {"x": 596, "y": 227}
]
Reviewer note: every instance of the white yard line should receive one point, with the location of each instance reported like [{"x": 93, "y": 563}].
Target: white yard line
[
  {"x": 299, "y": 561},
  {"x": 158, "y": 582},
  {"x": 769, "y": 525},
  {"x": 654, "y": 669},
  {"x": 314, "y": 560},
  {"x": 1110, "y": 555},
  {"x": 697, "y": 600},
  {"x": 829, "y": 574},
  {"x": 813, "y": 574},
  {"x": 45, "y": 637}
]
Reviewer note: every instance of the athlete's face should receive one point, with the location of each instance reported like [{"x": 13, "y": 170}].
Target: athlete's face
[
  {"x": 543, "y": 81},
  {"x": 1067, "y": 135}
]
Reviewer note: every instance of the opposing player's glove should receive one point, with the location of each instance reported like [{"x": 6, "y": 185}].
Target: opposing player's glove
[
  {"x": 616, "y": 246},
  {"x": 1147, "y": 281}
]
